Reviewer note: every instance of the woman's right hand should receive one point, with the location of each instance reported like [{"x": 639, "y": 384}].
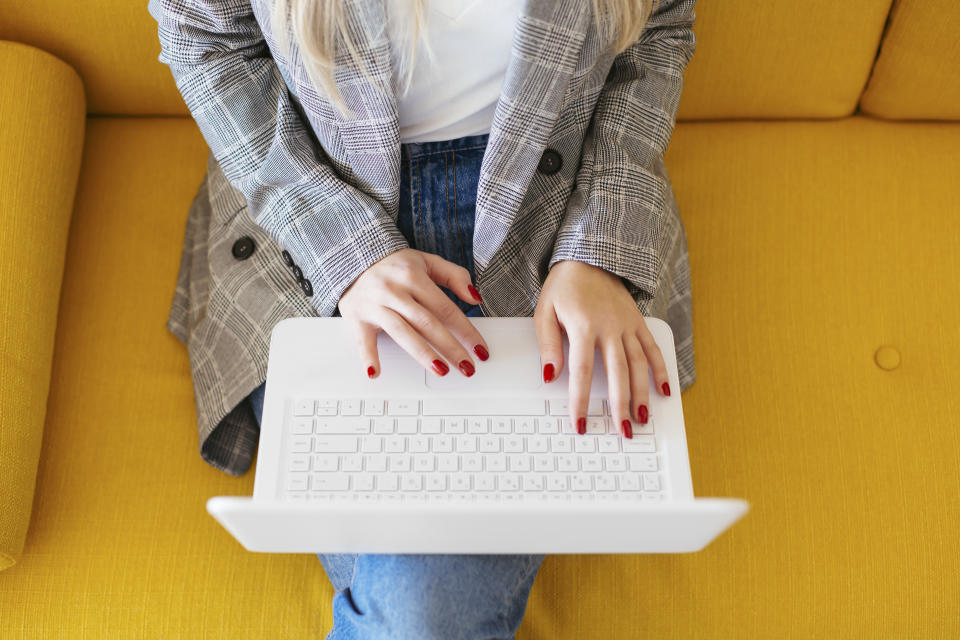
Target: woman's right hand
[{"x": 399, "y": 294}]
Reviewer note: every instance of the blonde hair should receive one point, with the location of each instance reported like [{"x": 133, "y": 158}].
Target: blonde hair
[{"x": 316, "y": 25}]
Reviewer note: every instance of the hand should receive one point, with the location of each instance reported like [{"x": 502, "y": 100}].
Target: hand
[
  {"x": 595, "y": 309},
  {"x": 399, "y": 294}
]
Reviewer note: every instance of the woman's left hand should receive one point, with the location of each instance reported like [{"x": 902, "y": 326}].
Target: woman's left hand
[{"x": 593, "y": 307}]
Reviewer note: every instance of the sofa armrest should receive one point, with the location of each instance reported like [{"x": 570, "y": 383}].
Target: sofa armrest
[{"x": 41, "y": 140}]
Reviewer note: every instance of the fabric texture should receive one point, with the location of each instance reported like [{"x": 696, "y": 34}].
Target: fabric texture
[
  {"x": 850, "y": 468},
  {"x": 917, "y": 74},
  {"x": 326, "y": 188},
  {"x": 41, "y": 137}
]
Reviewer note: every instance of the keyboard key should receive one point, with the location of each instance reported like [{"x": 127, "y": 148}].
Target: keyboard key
[
  {"x": 538, "y": 444},
  {"x": 335, "y": 444},
  {"x": 533, "y": 483},
  {"x": 596, "y": 426},
  {"x": 595, "y": 408},
  {"x": 436, "y": 482},
  {"x": 383, "y": 425},
  {"x": 568, "y": 462},
  {"x": 375, "y": 463},
  {"x": 606, "y": 482},
  {"x": 351, "y": 462},
  {"x": 645, "y": 462},
  {"x": 296, "y": 482},
  {"x": 495, "y": 462},
  {"x": 556, "y": 483},
  {"x": 477, "y": 425},
  {"x": 400, "y": 462},
  {"x": 424, "y": 462},
  {"x": 548, "y": 425},
  {"x": 362, "y": 481},
  {"x": 448, "y": 462},
  {"x": 513, "y": 444},
  {"x": 466, "y": 444},
  {"x": 483, "y": 407},
  {"x": 344, "y": 426},
  {"x": 326, "y": 462},
  {"x": 329, "y": 482},
  {"x": 489, "y": 444},
  {"x": 303, "y": 407},
  {"x": 472, "y": 462},
  {"x": 299, "y": 462},
  {"x": 581, "y": 482},
  {"x": 411, "y": 482},
  {"x": 443, "y": 444},
  {"x": 651, "y": 482},
  {"x": 407, "y": 426},
  {"x": 501, "y": 425},
  {"x": 559, "y": 408},
  {"x": 608, "y": 444},
  {"x": 509, "y": 481},
  {"x": 394, "y": 444},
  {"x": 585, "y": 444},
  {"x": 387, "y": 481},
  {"x": 485, "y": 482},
  {"x": 544, "y": 463},
  {"x": 373, "y": 407},
  {"x": 460, "y": 482},
  {"x": 418, "y": 444},
  {"x": 616, "y": 463},
  {"x": 630, "y": 482},
  {"x": 561, "y": 444},
  {"x": 431, "y": 425},
  {"x": 302, "y": 426},
  {"x": 371, "y": 444},
  {"x": 520, "y": 463},
  {"x": 525, "y": 425},
  {"x": 300, "y": 444},
  {"x": 350, "y": 407},
  {"x": 455, "y": 425},
  {"x": 591, "y": 462},
  {"x": 403, "y": 407},
  {"x": 639, "y": 444}
]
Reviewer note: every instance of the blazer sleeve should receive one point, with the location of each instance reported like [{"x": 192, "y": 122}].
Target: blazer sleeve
[
  {"x": 614, "y": 215},
  {"x": 223, "y": 68}
]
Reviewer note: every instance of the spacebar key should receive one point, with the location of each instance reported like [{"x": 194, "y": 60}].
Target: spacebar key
[{"x": 483, "y": 407}]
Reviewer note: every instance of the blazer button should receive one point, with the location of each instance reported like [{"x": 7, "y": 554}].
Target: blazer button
[
  {"x": 297, "y": 273},
  {"x": 243, "y": 248},
  {"x": 550, "y": 162},
  {"x": 306, "y": 286},
  {"x": 287, "y": 258}
]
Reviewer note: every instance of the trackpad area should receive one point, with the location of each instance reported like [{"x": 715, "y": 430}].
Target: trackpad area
[{"x": 514, "y": 363}]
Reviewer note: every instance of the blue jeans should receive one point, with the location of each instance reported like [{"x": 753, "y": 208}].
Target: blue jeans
[{"x": 427, "y": 596}]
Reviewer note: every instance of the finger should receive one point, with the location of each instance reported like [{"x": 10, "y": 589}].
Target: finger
[
  {"x": 550, "y": 338},
  {"x": 657, "y": 364},
  {"x": 581, "y": 374},
  {"x": 452, "y": 276},
  {"x": 618, "y": 383},
  {"x": 410, "y": 341},
  {"x": 366, "y": 336},
  {"x": 430, "y": 327},
  {"x": 639, "y": 379},
  {"x": 450, "y": 315}
]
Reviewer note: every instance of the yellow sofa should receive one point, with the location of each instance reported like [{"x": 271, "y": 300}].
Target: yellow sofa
[{"x": 824, "y": 249}]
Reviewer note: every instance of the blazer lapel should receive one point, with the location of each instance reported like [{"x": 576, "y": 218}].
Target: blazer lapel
[{"x": 547, "y": 43}]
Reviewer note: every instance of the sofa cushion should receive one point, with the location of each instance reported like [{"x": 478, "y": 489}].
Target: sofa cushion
[
  {"x": 41, "y": 137},
  {"x": 781, "y": 59},
  {"x": 917, "y": 74},
  {"x": 812, "y": 246},
  {"x": 754, "y": 59}
]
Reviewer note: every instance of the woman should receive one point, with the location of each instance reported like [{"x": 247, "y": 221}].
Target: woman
[{"x": 518, "y": 164}]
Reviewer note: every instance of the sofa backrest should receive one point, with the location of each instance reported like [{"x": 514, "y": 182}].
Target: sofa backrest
[{"x": 770, "y": 59}]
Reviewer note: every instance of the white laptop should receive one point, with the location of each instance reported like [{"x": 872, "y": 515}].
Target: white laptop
[{"x": 411, "y": 462}]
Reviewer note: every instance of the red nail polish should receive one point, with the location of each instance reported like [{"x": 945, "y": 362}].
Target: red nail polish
[
  {"x": 440, "y": 367},
  {"x": 643, "y": 413},
  {"x": 666, "y": 388},
  {"x": 627, "y": 429},
  {"x": 481, "y": 352},
  {"x": 581, "y": 425},
  {"x": 467, "y": 367},
  {"x": 548, "y": 372},
  {"x": 371, "y": 371},
  {"x": 473, "y": 291}
]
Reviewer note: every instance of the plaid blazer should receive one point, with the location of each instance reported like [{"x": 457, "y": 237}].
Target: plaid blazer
[{"x": 288, "y": 173}]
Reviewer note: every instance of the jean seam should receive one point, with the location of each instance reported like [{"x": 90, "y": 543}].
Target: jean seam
[
  {"x": 511, "y": 593},
  {"x": 421, "y": 154}
]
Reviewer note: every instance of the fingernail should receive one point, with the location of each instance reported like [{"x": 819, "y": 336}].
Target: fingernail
[
  {"x": 481, "y": 352},
  {"x": 548, "y": 372},
  {"x": 467, "y": 367},
  {"x": 666, "y": 388},
  {"x": 440, "y": 367},
  {"x": 627, "y": 429},
  {"x": 371, "y": 371},
  {"x": 473, "y": 291},
  {"x": 581, "y": 425},
  {"x": 642, "y": 410}
]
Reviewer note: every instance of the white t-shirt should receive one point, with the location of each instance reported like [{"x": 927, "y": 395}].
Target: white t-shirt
[{"x": 456, "y": 96}]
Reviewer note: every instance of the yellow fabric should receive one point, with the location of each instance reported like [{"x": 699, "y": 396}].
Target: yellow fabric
[
  {"x": 754, "y": 59},
  {"x": 112, "y": 43},
  {"x": 41, "y": 135},
  {"x": 812, "y": 246},
  {"x": 917, "y": 75},
  {"x": 781, "y": 59}
]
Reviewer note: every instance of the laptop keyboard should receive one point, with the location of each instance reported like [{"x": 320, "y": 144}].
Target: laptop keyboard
[{"x": 465, "y": 450}]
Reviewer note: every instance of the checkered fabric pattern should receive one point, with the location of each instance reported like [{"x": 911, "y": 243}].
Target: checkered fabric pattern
[{"x": 290, "y": 172}]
